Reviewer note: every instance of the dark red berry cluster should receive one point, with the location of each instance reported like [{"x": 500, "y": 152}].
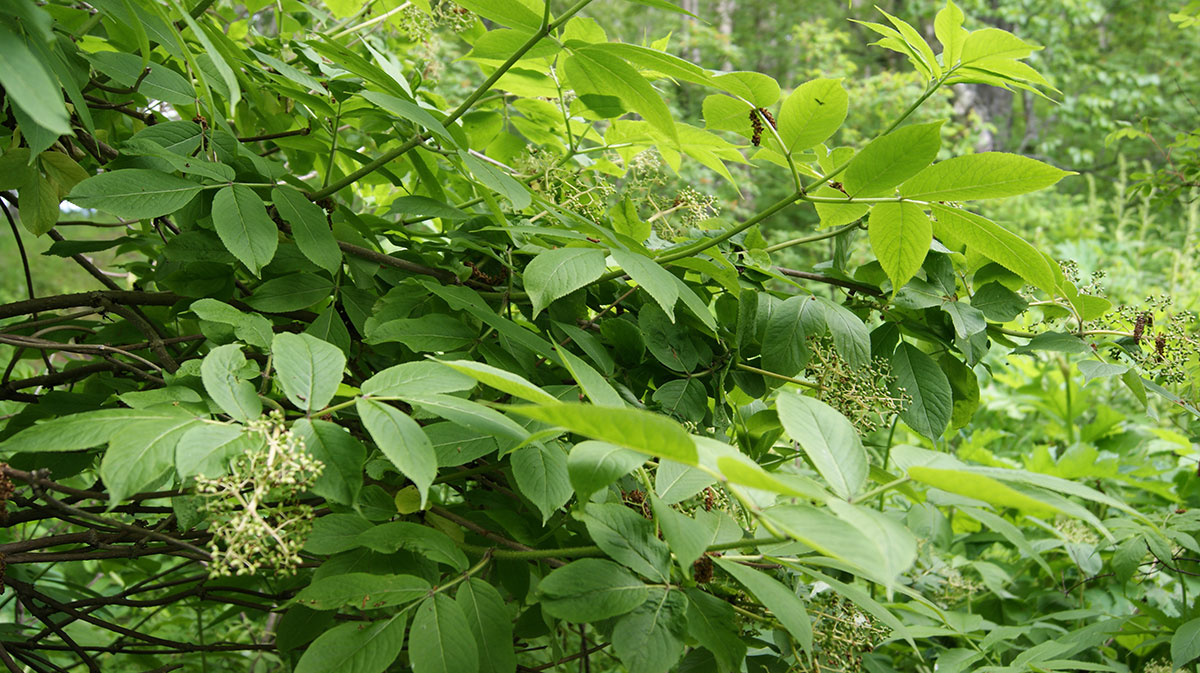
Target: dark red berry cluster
[{"x": 756, "y": 125}]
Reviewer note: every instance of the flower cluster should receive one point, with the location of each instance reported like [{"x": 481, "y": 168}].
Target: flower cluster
[
  {"x": 585, "y": 194},
  {"x": 865, "y": 395},
  {"x": 841, "y": 632},
  {"x": 256, "y": 517}
]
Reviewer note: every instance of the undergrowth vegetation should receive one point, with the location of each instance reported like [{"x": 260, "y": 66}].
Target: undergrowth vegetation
[{"x": 504, "y": 335}]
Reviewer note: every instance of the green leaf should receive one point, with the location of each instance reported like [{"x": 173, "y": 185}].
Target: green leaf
[
  {"x": 713, "y": 624},
  {"x": 162, "y": 83},
  {"x": 900, "y": 238},
  {"x": 657, "y": 61},
  {"x": 249, "y": 327},
  {"x": 967, "y": 319},
  {"x": 812, "y": 113},
  {"x": 469, "y": 414},
  {"x": 541, "y": 474},
  {"x": 759, "y": 89},
  {"x": 221, "y": 372},
  {"x": 207, "y": 448},
  {"x": 290, "y": 293},
  {"x": 670, "y": 343},
  {"x": 594, "y": 465},
  {"x": 654, "y": 279},
  {"x": 589, "y": 590},
  {"x": 593, "y": 70},
  {"x": 996, "y": 243},
  {"x": 334, "y": 533},
  {"x": 1185, "y": 644},
  {"x": 994, "y": 43},
  {"x": 309, "y": 369},
  {"x": 828, "y": 440},
  {"x": 980, "y": 487},
  {"x": 892, "y": 548},
  {"x": 140, "y": 455},
  {"x": 340, "y": 452},
  {"x": 388, "y": 538},
  {"x": 182, "y": 163},
  {"x": 1057, "y": 342},
  {"x": 631, "y": 428},
  {"x": 685, "y": 399},
  {"x": 556, "y": 273},
  {"x": 923, "y": 380},
  {"x": 241, "y": 221},
  {"x": 423, "y": 206},
  {"x": 998, "y": 302},
  {"x": 686, "y": 537},
  {"x": 783, "y": 602},
  {"x": 39, "y": 205},
  {"x": 81, "y": 431},
  {"x": 309, "y": 227},
  {"x": 417, "y": 378},
  {"x": 593, "y": 384},
  {"x": 650, "y": 639},
  {"x": 436, "y": 332},
  {"x": 502, "y": 380},
  {"x": 628, "y": 538},
  {"x": 947, "y": 25},
  {"x": 675, "y": 482},
  {"x": 850, "y": 335},
  {"x": 402, "y": 441},
  {"x": 362, "y": 591},
  {"x": 410, "y": 111},
  {"x": 135, "y": 193},
  {"x": 506, "y": 13},
  {"x": 1096, "y": 369},
  {"x": 785, "y": 346},
  {"x": 29, "y": 86},
  {"x": 355, "y": 647},
  {"x": 893, "y": 158},
  {"x": 490, "y": 623},
  {"x": 987, "y": 175},
  {"x": 497, "y": 180}
]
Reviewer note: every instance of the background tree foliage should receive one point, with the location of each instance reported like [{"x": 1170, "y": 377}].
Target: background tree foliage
[{"x": 506, "y": 335}]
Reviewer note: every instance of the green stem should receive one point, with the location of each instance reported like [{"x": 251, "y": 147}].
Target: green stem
[
  {"x": 881, "y": 489},
  {"x": 699, "y": 246},
  {"x": 929, "y": 91},
  {"x": 593, "y": 550},
  {"x": 812, "y": 239},
  {"x": 781, "y": 377},
  {"x": 379, "y": 162},
  {"x": 337, "y": 407}
]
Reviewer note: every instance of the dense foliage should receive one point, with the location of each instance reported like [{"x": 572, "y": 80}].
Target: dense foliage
[{"x": 476, "y": 364}]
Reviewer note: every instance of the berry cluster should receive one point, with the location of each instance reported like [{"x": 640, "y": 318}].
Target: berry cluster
[
  {"x": 756, "y": 124},
  {"x": 1161, "y": 342},
  {"x": 257, "y": 518}
]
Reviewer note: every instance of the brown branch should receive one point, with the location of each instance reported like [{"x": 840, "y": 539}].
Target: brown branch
[
  {"x": 38, "y": 483},
  {"x": 45, "y": 616},
  {"x": 87, "y": 265},
  {"x": 573, "y": 657},
  {"x": 144, "y": 326},
  {"x": 8, "y": 390},
  {"x": 98, "y": 103},
  {"x": 8, "y": 661},
  {"x": 92, "y": 299}
]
